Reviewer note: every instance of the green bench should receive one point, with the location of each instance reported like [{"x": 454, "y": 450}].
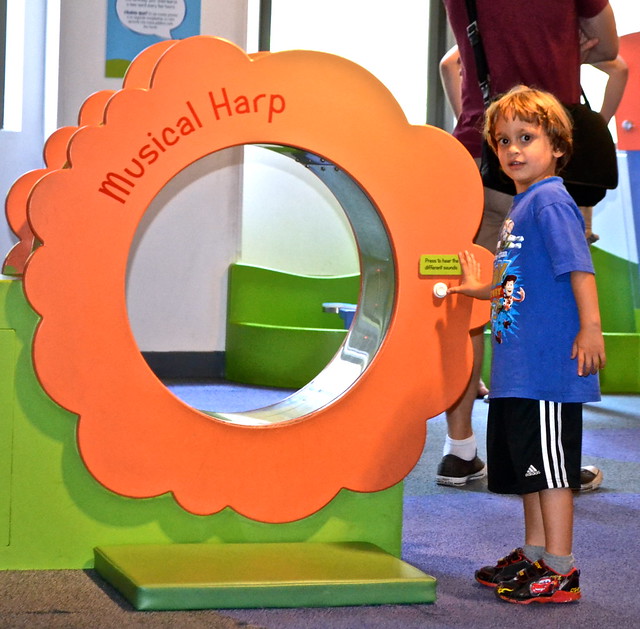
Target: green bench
[{"x": 278, "y": 333}]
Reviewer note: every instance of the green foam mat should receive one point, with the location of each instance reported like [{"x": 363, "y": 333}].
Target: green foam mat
[{"x": 234, "y": 576}]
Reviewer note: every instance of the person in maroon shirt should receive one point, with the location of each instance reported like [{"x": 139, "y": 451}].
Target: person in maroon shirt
[{"x": 537, "y": 44}]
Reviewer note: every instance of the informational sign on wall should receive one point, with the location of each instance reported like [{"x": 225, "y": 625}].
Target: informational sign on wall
[{"x": 133, "y": 25}]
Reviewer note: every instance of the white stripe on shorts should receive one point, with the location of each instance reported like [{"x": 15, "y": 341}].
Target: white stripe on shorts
[{"x": 551, "y": 444}]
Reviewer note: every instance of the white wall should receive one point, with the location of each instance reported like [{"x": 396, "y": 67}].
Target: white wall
[
  {"x": 21, "y": 150},
  {"x": 627, "y": 16},
  {"x": 177, "y": 283},
  {"x": 291, "y": 222}
]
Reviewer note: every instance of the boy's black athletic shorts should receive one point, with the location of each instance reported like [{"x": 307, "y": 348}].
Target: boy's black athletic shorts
[{"x": 533, "y": 445}]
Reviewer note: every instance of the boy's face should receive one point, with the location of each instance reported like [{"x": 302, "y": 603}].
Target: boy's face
[{"x": 525, "y": 152}]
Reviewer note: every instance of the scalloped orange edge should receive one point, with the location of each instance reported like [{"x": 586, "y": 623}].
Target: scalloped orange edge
[{"x": 182, "y": 102}]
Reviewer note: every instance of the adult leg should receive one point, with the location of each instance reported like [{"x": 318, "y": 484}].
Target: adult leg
[
  {"x": 460, "y": 462},
  {"x": 496, "y": 208},
  {"x": 587, "y": 214},
  {"x": 459, "y": 415}
]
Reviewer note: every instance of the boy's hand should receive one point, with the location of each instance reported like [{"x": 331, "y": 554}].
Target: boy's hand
[
  {"x": 588, "y": 348},
  {"x": 471, "y": 283}
]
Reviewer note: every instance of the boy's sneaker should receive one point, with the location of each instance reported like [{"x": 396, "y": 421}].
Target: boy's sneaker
[
  {"x": 456, "y": 472},
  {"x": 541, "y": 585},
  {"x": 590, "y": 478},
  {"x": 506, "y": 568}
]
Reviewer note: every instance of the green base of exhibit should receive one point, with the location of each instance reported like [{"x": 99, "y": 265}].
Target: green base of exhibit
[{"x": 234, "y": 576}]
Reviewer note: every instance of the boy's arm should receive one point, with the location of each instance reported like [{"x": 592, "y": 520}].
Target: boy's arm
[
  {"x": 471, "y": 284},
  {"x": 618, "y": 72},
  {"x": 588, "y": 346},
  {"x": 451, "y": 80}
]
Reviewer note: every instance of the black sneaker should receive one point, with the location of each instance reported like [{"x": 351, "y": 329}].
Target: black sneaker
[
  {"x": 590, "y": 478},
  {"x": 506, "y": 568},
  {"x": 541, "y": 585},
  {"x": 456, "y": 472}
]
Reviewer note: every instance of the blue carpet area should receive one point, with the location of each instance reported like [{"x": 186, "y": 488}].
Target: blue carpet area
[
  {"x": 449, "y": 533},
  {"x": 225, "y": 397}
]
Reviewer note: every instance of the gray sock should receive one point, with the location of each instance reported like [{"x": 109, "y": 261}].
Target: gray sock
[
  {"x": 559, "y": 563},
  {"x": 533, "y": 553}
]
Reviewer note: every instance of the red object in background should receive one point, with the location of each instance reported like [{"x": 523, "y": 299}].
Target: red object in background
[{"x": 628, "y": 114}]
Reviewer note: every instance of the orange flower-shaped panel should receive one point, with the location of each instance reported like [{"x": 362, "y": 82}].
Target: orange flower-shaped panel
[
  {"x": 55, "y": 157},
  {"x": 203, "y": 95},
  {"x": 55, "y": 152}
]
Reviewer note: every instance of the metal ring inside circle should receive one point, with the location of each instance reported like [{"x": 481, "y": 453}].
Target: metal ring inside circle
[{"x": 375, "y": 305}]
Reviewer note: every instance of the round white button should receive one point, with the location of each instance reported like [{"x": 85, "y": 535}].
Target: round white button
[{"x": 440, "y": 289}]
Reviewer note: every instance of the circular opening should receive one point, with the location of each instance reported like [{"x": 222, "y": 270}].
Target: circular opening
[{"x": 368, "y": 322}]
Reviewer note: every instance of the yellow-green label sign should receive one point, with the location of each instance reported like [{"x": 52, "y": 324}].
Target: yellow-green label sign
[{"x": 440, "y": 265}]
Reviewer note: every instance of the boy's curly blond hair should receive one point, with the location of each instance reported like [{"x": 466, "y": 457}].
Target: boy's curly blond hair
[{"x": 535, "y": 107}]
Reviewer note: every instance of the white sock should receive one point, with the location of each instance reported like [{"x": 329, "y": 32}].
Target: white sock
[{"x": 463, "y": 448}]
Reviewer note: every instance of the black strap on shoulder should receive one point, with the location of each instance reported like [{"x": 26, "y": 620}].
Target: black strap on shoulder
[{"x": 482, "y": 67}]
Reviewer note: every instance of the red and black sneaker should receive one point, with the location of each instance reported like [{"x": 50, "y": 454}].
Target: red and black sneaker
[
  {"x": 543, "y": 586},
  {"x": 506, "y": 568}
]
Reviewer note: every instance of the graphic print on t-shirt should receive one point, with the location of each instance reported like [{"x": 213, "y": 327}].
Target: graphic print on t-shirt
[{"x": 507, "y": 290}]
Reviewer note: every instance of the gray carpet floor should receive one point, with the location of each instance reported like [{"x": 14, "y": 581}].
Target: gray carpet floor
[
  {"x": 80, "y": 599},
  {"x": 447, "y": 533}
]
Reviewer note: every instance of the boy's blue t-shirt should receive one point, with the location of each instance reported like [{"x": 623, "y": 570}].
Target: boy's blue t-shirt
[{"x": 534, "y": 317}]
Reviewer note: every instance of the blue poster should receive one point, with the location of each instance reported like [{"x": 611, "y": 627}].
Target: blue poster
[{"x": 133, "y": 25}]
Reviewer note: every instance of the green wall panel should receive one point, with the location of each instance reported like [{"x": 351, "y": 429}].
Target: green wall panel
[{"x": 7, "y": 372}]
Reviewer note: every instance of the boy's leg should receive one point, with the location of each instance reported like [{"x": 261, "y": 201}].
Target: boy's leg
[
  {"x": 520, "y": 561},
  {"x": 534, "y": 534},
  {"x": 548, "y": 518},
  {"x": 555, "y": 436},
  {"x": 534, "y": 450},
  {"x": 548, "y": 521},
  {"x": 557, "y": 515},
  {"x": 554, "y": 578}
]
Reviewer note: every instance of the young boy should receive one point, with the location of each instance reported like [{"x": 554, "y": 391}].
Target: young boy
[
  {"x": 547, "y": 347},
  {"x": 617, "y": 73}
]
